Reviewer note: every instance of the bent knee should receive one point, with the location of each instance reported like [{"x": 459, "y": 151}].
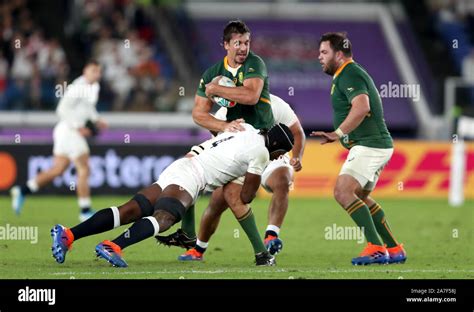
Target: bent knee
[
  {"x": 281, "y": 186},
  {"x": 342, "y": 195}
]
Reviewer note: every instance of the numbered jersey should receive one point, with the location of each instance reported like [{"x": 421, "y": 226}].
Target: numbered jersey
[{"x": 231, "y": 154}]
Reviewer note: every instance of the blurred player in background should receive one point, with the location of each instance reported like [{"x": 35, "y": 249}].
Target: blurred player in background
[
  {"x": 78, "y": 120},
  {"x": 159, "y": 206},
  {"x": 360, "y": 127},
  {"x": 277, "y": 179}
]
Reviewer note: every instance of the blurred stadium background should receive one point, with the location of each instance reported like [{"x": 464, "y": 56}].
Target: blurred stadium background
[{"x": 153, "y": 53}]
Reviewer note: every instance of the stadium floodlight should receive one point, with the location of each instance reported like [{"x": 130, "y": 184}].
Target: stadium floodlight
[{"x": 465, "y": 130}]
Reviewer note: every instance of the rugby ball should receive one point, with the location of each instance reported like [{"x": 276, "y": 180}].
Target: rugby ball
[{"x": 226, "y": 82}]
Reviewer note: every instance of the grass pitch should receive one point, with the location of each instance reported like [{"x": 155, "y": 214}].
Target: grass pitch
[{"x": 438, "y": 239}]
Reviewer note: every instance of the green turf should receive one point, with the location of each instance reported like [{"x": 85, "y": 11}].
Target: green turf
[{"x": 426, "y": 227}]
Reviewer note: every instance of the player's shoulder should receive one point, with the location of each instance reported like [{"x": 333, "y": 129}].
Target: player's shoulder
[
  {"x": 254, "y": 139},
  {"x": 79, "y": 81},
  {"x": 278, "y": 101},
  {"x": 249, "y": 129},
  {"x": 354, "y": 70},
  {"x": 214, "y": 70},
  {"x": 254, "y": 58},
  {"x": 250, "y": 135}
]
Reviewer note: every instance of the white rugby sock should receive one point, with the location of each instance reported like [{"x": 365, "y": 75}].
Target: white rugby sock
[
  {"x": 84, "y": 202},
  {"x": 116, "y": 215},
  {"x": 32, "y": 185},
  {"x": 156, "y": 225},
  {"x": 202, "y": 244},
  {"x": 273, "y": 228}
]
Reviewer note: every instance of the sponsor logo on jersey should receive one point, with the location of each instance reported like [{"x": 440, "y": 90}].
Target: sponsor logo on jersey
[{"x": 241, "y": 77}]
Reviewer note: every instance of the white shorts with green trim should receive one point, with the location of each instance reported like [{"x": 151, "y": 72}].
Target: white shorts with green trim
[{"x": 365, "y": 164}]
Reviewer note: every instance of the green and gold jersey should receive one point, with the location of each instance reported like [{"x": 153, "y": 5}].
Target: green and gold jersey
[
  {"x": 349, "y": 81},
  {"x": 260, "y": 116}
]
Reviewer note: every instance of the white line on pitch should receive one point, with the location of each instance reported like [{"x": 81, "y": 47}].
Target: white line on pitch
[{"x": 263, "y": 271}]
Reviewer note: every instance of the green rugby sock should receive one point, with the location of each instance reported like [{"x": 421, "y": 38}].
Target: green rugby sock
[
  {"x": 188, "y": 223},
  {"x": 359, "y": 212},
  {"x": 381, "y": 224},
  {"x": 250, "y": 227}
]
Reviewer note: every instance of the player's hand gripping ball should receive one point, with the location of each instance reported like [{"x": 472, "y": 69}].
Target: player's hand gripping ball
[{"x": 226, "y": 82}]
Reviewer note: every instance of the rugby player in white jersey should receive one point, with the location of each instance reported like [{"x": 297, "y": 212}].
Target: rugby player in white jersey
[
  {"x": 157, "y": 207},
  {"x": 277, "y": 179},
  {"x": 78, "y": 120}
]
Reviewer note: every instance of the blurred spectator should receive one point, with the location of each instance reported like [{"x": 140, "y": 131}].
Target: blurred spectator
[
  {"x": 118, "y": 33},
  {"x": 454, "y": 22},
  {"x": 3, "y": 80}
]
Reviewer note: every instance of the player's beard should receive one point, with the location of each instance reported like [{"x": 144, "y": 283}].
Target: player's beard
[{"x": 331, "y": 67}]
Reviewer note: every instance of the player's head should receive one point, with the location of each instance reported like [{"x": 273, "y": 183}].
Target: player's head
[
  {"x": 236, "y": 40},
  {"x": 92, "y": 71},
  {"x": 334, "y": 49},
  {"x": 280, "y": 140}
]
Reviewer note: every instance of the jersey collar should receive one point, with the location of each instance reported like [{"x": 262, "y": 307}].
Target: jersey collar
[
  {"x": 227, "y": 67},
  {"x": 339, "y": 70}
]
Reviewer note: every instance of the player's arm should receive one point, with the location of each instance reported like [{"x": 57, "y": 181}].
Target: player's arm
[
  {"x": 355, "y": 90},
  {"x": 248, "y": 94},
  {"x": 95, "y": 123},
  {"x": 298, "y": 147},
  {"x": 201, "y": 116},
  {"x": 98, "y": 121},
  {"x": 359, "y": 110},
  {"x": 258, "y": 158},
  {"x": 66, "y": 111},
  {"x": 250, "y": 187},
  {"x": 66, "y": 107}
]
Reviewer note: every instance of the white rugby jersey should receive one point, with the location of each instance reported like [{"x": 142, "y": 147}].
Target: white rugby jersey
[
  {"x": 78, "y": 103},
  {"x": 231, "y": 154},
  {"x": 282, "y": 112}
]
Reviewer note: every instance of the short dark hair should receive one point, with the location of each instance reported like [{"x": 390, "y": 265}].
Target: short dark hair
[
  {"x": 91, "y": 62},
  {"x": 338, "y": 42},
  {"x": 234, "y": 27}
]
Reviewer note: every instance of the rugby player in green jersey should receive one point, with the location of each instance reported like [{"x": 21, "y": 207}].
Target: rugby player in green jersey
[
  {"x": 249, "y": 73},
  {"x": 360, "y": 127}
]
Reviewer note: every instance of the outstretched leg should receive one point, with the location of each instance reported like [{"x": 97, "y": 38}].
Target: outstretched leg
[
  {"x": 18, "y": 193},
  {"x": 141, "y": 205},
  {"x": 169, "y": 209}
]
